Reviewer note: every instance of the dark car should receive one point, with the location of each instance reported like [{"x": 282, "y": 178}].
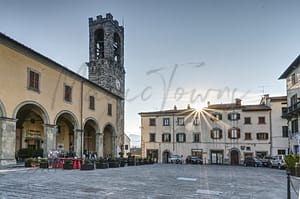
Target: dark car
[
  {"x": 252, "y": 162},
  {"x": 193, "y": 160},
  {"x": 266, "y": 161}
]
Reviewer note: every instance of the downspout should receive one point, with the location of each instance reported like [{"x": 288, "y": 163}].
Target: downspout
[
  {"x": 81, "y": 117},
  {"x": 271, "y": 133}
]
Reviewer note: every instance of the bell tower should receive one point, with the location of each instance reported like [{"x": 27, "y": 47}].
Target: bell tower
[{"x": 106, "y": 64}]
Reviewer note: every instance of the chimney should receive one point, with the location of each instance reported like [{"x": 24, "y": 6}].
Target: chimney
[
  {"x": 238, "y": 101},
  {"x": 188, "y": 106},
  {"x": 175, "y": 107}
]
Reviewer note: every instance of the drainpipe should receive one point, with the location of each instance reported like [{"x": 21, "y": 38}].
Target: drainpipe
[
  {"x": 271, "y": 134},
  {"x": 81, "y": 117}
]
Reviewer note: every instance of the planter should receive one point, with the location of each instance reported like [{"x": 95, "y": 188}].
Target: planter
[
  {"x": 114, "y": 164},
  {"x": 87, "y": 167},
  {"x": 102, "y": 165},
  {"x": 44, "y": 165},
  {"x": 68, "y": 166}
]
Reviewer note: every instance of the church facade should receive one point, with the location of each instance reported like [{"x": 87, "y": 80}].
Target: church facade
[{"x": 45, "y": 106}]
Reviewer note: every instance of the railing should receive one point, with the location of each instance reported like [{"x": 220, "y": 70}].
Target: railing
[{"x": 291, "y": 110}]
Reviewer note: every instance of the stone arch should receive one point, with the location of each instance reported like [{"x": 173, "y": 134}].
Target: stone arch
[
  {"x": 43, "y": 110},
  {"x": 31, "y": 127},
  {"x": 165, "y": 156},
  {"x": 234, "y": 156},
  {"x": 90, "y": 139},
  {"x": 109, "y": 140},
  {"x": 2, "y": 110},
  {"x": 67, "y": 124},
  {"x": 73, "y": 116}
]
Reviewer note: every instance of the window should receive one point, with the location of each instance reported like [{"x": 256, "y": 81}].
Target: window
[
  {"x": 281, "y": 151},
  {"x": 126, "y": 147},
  {"x": 68, "y": 93},
  {"x": 152, "y": 122},
  {"x": 109, "y": 109},
  {"x": 262, "y": 136},
  {"x": 216, "y": 116},
  {"x": 294, "y": 102},
  {"x": 180, "y": 137},
  {"x": 152, "y": 137},
  {"x": 294, "y": 126},
  {"x": 196, "y": 121},
  {"x": 33, "y": 80},
  {"x": 92, "y": 103},
  {"x": 247, "y": 120},
  {"x": 216, "y": 133},
  {"x": 166, "y": 137},
  {"x": 99, "y": 42},
  {"x": 166, "y": 121},
  {"x": 234, "y": 116},
  {"x": 196, "y": 137},
  {"x": 180, "y": 121},
  {"x": 261, "y": 120},
  {"x": 248, "y": 136},
  {"x": 293, "y": 79},
  {"x": 234, "y": 133},
  {"x": 285, "y": 132}
]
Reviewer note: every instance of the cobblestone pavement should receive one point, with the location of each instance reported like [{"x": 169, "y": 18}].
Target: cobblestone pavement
[{"x": 149, "y": 181}]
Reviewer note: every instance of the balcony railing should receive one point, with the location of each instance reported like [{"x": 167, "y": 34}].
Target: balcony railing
[{"x": 291, "y": 110}]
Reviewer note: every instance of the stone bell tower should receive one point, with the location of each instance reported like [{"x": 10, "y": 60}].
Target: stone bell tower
[{"x": 106, "y": 66}]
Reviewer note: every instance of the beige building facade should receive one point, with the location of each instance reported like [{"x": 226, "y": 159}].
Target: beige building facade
[
  {"x": 218, "y": 134},
  {"x": 45, "y": 106}
]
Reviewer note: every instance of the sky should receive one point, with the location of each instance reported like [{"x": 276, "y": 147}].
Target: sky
[{"x": 177, "y": 52}]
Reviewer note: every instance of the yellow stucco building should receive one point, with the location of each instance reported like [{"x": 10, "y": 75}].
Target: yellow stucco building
[{"x": 45, "y": 106}]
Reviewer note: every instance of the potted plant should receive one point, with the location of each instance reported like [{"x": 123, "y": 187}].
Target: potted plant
[
  {"x": 30, "y": 162},
  {"x": 68, "y": 164},
  {"x": 43, "y": 163},
  {"x": 87, "y": 165},
  {"x": 102, "y": 163},
  {"x": 291, "y": 161},
  {"x": 114, "y": 163},
  {"x": 130, "y": 160}
]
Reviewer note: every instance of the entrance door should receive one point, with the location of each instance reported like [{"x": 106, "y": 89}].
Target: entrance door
[
  {"x": 234, "y": 155},
  {"x": 166, "y": 155}
]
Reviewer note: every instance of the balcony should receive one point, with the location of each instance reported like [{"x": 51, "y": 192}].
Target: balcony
[{"x": 291, "y": 111}]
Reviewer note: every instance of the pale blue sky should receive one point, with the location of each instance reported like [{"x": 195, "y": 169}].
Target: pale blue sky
[{"x": 240, "y": 47}]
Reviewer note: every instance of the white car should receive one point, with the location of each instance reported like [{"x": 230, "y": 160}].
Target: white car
[
  {"x": 175, "y": 159},
  {"x": 278, "y": 161}
]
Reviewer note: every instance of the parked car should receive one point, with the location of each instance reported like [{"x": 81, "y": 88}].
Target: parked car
[
  {"x": 252, "y": 162},
  {"x": 266, "y": 161},
  {"x": 193, "y": 160},
  {"x": 278, "y": 161},
  {"x": 175, "y": 159}
]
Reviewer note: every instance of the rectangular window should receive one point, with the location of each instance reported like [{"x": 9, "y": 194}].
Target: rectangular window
[
  {"x": 109, "y": 109},
  {"x": 261, "y": 120},
  {"x": 216, "y": 133},
  {"x": 294, "y": 81},
  {"x": 180, "y": 137},
  {"x": 126, "y": 146},
  {"x": 68, "y": 93},
  {"x": 196, "y": 121},
  {"x": 294, "y": 126},
  {"x": 152, "y": 137},
  {"x": 262, "y": 136},
  {"x": 234, "y": 116},
  {"x": 285, "y": 131},
  {"x": 248, "y": 136},
  {"x": 234, "y": 133},
  {"x": 180, "y": 121},
  {"x": 166, "y": 121},
  {"x": 152, "y": 122},
  {"x": 281, "y": 151},
  {"x": 166, "y": 137},
  {"x": 196, "y": 137},
  {"x": 33, "y": 80},
  {"x": 92, "y": 103},
  {"x": 247, "y": 120}
]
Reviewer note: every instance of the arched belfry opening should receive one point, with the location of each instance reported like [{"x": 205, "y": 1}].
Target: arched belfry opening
[
  {"x": 99, "y": 43},
  {"x": 117, "y": 47}
]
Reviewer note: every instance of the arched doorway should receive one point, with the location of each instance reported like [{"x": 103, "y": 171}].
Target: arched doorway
[
  {"x": 65, "y": 138},
  {"x": 30, "y": 136},
  {"x": 89, "y": 144},
  {"x": 166, "y": 154},
  {"x": 234, "y": 157},
  {"x": 108, "y": 140}
]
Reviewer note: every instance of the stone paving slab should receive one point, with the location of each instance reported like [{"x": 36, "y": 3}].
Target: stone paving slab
[{"x": 149, "y": 181}]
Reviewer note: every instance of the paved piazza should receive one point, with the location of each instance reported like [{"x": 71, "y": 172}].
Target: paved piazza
[{"x": 148, "y": 181}]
